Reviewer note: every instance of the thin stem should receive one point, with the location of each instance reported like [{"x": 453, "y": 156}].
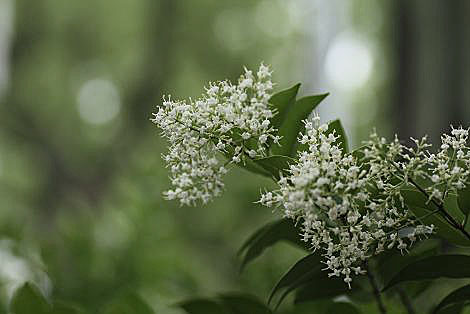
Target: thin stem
[
  {"x": 440, "y": 206},
  {"x": 376, "y": 291},
  {"x": 443, "y": 211},
  {"x": 405, "y": 300}
]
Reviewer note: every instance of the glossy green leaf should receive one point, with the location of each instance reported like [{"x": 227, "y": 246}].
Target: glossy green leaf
[
  {"x": 343, "y": 308},
  {"x": 448, "y": 266},
  {"x": 339, "y": 130},
  {"x": 28, "y": 299},
  {"x": 275, "y": 165},
  {"x": 282, "y": 102},
  {"x": 293, "y": 125},
  {"x": 280, "y": 230},
  {"x": 242, "y": 304},
  {"x": 464, "y": 200},
  {"x": 460, "y": 296},
  {"x": 304, "y": 270},
  {"x": 417, "y": 204},
  {"x": 128, "y": 304},
  {"x": 442, "y": 228},
  {"x": 203, "y": 306}
]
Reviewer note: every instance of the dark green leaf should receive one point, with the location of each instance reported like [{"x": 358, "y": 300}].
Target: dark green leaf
[
  {"x": 28, "y": 299},
  {"x": 453, "y": 309},
  {"x": 282, "y": 102},
  {"x": 323, "y": 287},
  {"x": 391, "y": 262},
  {"x": 293, "y": 125},
  {"x": 442, "y": 228},
  {"x": 343, "y": 308},
  {"x": 304, "y": 270},
  {"x": 308, "y": 308},
  {"x": 128, "y": 304},
  {"x": 417, "y": 204},
  {"x": 247, "y": 164},
  {"x": 415, "y": 198},
  {"x": 280, "y": 230},
  {"x": 253, "y": 167},
  {"x": 65, "y": 308},
  {"x": 464, "y": 200},
  {"x": 460, "y": 296},
  {"x": 339, "y": 130},
  {"x": 275, "y": 165},
  {"x": 451, "y": 205},
  {"x": 448, "y": 266},
  {"x": 203, "y": 306},
  {"x": 243, "y": 304}
]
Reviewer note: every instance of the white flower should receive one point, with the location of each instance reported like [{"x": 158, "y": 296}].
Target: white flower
[
  {"x": 201, "y": 131},
  {"x": 329, "y": 192},
  {"x": 448, "y": 169}
]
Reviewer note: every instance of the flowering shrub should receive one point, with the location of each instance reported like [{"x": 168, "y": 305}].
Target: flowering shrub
[{"x": 347, "y": 208}]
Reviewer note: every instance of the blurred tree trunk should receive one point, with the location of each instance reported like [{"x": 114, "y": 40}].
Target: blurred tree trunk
[{"x": 431, "y": 53}]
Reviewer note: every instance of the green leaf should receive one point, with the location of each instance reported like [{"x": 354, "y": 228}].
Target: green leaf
[
  {"x": 243, "y": 304},
  {"x": 293, "y": 125},
  {"x": 464, "y": 200},
  {"x": 343, "y": 308},
  {"x": 390, "y": 262},
  {"x": 323, "y": 287},
  {"x": 203, "y": 306},
  {"x": 301, "y": 273},
  {"x": 254, "y": 167},
  {"x": 417, "y": 204},
  {"x": 128, "y": 304},
  {"x": 275, "y": 165},
  {"x": 339, "y": 130},
  {"x": 311, "y": 283},
  {"x": 415, "y": 198},
  {"x": 448, "y": 266},
  {"x": 65, "y": 308},
  {"x": 28, "y": 299},
  {"x": 460, "y": 296},
  {"x": 248, "y": 164},
  {"x": 453, "y": 309},
  {"x": 280, "y": 230},
  {"x": 282, "y": 102},
  {"x": 451, "y": 204},
  {"x": 442, "y": 228}
]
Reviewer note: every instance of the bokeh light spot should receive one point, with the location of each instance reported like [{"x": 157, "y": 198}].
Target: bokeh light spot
[
  {"x": 98, "y": 101},
  {"x": 348, "y": 63}
]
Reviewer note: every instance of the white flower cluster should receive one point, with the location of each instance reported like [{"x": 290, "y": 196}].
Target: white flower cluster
[
  {"x": 228, "y": 119},
  {"x": 349, "y": 205},
  {"x": 448, "y": 170}
]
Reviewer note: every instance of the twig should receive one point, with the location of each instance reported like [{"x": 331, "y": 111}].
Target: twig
[
  {"x": 443, "y": 211},
  {"x": 376, "y": 291},
  {"x": 405, "y": 300}
]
